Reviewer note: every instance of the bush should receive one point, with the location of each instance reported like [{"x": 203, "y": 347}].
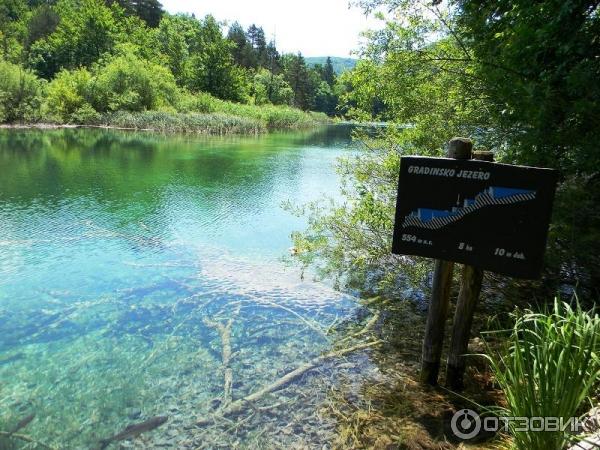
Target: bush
[
  {"x": 549, "y": 370},
  {"x": 20, "y": 93},
  {"x": 200, "y": 102},
  {"x": 68, "y": 97},
  {"x": 129, "y": 83}
]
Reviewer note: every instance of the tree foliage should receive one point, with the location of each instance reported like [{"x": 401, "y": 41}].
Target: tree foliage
[
  {"x": 516, "y": 76},
  {"x": 20, "y": 93},
  {"x": 125, "y": 82},
  {"x": 69, "y": 96},
  {"x": 107, "y": 55},
  {"x": 87, "y": 29}
]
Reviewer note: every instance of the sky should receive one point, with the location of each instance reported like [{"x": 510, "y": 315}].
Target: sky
[{"x": 313, "y": 27}]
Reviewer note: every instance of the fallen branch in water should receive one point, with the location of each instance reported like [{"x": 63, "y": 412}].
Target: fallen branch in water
[
  {"x": 25, "y": 438},
  {"x": 241, "y": 404},
  {"x": 263, "y": 302},
  {"x": 370, "y": 324},
  {"x": 225, "y": 333}
]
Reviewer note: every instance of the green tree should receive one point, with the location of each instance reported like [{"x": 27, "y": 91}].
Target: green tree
[
  {"x": 174, "y": 36},
  {"x": 273, "y": 58},
  {"x": 87, "y": 29},
  {"x": 540, "y": 64},
  {"x": 150, "y": 11},
  {"x": 126, "y": 82},
  {"x": 515, "y": 76},
  {"x": 13, "y": 15},
  {"x": 43, "y": 23},
  {"x": 298, "y": 77},
  {"x": 211, "y": 67},
  {"x": 256, "y": 39},
  {"x": 271, "y": 88},
  {"x": 242, "y": 51},
  {"x": 328, "y": 74},
  {"x": 69, "y": 97},
  {"x": 325, "y": 99},
  {"x": 20, "y": 93}
]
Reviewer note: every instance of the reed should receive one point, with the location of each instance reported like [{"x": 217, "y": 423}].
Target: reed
[
  {"x": 192, "y": 123},
  {"x": 548, "y": 369},
  {"x": 273, "y": 116}
]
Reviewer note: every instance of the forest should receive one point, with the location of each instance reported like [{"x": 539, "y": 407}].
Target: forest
[{"x": 95, "y": 61}]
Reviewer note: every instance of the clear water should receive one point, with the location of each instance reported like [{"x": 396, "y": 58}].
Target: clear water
[{"x": 115, "y": 248}]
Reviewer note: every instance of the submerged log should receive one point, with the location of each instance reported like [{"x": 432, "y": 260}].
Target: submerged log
[
  {"x": 225, "y": 333},
  {"x": 243, "y": 403}
]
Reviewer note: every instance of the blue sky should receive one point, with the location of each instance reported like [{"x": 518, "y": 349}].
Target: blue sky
[{"x": 314, "y": 27}]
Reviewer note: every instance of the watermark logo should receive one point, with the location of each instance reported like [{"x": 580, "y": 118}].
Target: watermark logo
[{"x": 466, "y": 424}]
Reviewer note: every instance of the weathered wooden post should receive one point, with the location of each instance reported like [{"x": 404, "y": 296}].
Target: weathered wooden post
[
  {"x": 458, "y": 148},
  {"x": 468, "y": 297}
]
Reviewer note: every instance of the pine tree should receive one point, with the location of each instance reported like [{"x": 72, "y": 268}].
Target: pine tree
[
  {"x": 328, "y": 73},
  {"x": 241, "y": 50},
  {"x": 150, "y": 11},
  {"x": 298, "y": 77},
  {"x": 256, "y": 38}
]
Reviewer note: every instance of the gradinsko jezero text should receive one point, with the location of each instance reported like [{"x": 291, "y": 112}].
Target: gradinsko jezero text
[{"x": 450, "y": 173}]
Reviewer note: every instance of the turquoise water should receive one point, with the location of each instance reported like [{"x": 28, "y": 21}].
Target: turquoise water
[{"x": 117, "y": 253}]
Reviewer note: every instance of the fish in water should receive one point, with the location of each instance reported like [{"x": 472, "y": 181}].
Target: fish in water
[
  {"x": 134, "y": 430},
  {"x": 23, "y": 423}
]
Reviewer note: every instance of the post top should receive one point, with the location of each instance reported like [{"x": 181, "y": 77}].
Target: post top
[
  {"x": 483, "y": 155},
  {"x": 460, "y": 148}
]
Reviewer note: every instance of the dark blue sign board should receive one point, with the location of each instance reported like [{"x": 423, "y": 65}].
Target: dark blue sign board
[{"x": 489, "y": 215}]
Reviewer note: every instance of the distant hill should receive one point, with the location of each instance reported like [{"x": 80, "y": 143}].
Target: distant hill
[{"x": 339, "y": 64}]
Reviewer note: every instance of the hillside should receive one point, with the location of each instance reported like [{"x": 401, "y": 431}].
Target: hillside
[{"x": 339, "y": 64}]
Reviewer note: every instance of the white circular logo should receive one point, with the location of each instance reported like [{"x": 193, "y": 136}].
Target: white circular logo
[{"x": 466, "y": 424}]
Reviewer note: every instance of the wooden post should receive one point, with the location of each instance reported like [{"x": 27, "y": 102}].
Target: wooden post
[
  {"x": 458, "y": 148},
  {"x": 470, "y": 288}
]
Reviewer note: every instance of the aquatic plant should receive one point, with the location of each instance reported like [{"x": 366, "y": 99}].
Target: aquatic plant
[
  {"x": 192, "y": 123},
  {"x": 548, "y": 369}
]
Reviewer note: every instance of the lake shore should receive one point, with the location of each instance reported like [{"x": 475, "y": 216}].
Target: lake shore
[{"x": 186, "y": 123}]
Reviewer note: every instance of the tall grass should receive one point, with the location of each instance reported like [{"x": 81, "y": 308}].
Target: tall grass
[
  {"x": 273, "y": 116},
  {"x": 549, "y": 369},
  {"x": 192, "y": 123}
]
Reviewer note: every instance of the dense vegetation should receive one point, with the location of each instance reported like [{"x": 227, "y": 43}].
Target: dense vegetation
[
  {"x": 80, "y": 61},
  {"x": 518, "y": 77}
]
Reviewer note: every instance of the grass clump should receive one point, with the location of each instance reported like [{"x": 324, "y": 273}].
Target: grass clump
[
  {"x": 193, "y": 123},
  {"x": 548, "y": 369},
  {"x": 273, "y": 116}
]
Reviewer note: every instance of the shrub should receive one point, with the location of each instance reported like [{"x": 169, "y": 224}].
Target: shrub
[
  {"x": 68, "y": 97},
  {"x": 129, "y": 83},
  {"x": 200, "y": 102},
  {"x": 20, "y": 93},
  {"x": 548, "y": 370}
]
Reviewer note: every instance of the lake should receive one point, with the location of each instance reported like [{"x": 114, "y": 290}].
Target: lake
[{"x": 123, "y": 255}]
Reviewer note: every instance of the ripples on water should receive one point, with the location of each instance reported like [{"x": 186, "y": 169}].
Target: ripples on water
[{"x": 114, "y": 248}]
